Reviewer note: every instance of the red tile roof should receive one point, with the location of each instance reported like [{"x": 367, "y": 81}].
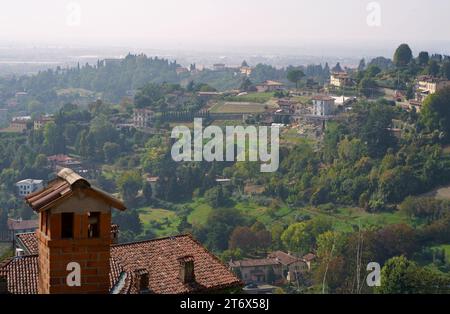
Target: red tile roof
[
  {"x": 23, "y": 274},
  {"x": 28, "y": 242},
  {"x": 284, "y": 258},
  {"x": 254, "y": 262},
  {"x": 160, "y": 257},
  {"x": 322, "y": 98},
  {"x": 274, "y": 258},
  {"x": 14, "y": 224},
  {"x": 309, "y": 257}
]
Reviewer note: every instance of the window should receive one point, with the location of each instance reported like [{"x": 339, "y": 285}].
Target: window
[
  {"x": 43, "y": 221},
  {"x": 47, "y": 222},
  {"x": 67, "y": 225},
  {"x": 94, "y": 225}
]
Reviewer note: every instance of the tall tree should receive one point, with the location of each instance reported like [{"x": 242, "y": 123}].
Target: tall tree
[
  {"x": 403, "y": 55},
  {"x": 435, "y": 114},
  {"x": 433, "y": 68},
  {"x": 362, "y": 65},
  {"x": 295, "y": 76},
  {"x": 337, "y": 68},
  {"x": 445, "y": 69}
]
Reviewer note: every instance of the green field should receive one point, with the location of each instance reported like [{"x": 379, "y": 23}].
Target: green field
[
  {"x": 200, "y": 213},
  {"x": 345, "y": 218},
  {"x": 162, "y": 222},
  {"x": 238, "y": 107},
  {"x": 5, "y": 248}
]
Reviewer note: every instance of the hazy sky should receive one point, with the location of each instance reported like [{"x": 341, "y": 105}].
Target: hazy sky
[{"x": 206, "y": 23}]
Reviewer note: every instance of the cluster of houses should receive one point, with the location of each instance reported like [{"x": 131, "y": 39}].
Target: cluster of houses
[
  {"x": 276, "y": 268},
  {"x": 244, "y": 69},
  {"x": 426, "y": 85},
  {"x": 20, "y": 124}
]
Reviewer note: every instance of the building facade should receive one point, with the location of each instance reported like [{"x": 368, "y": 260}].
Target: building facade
[
  {"x": 28, "y": 186},
  {"x": 340, "y": 79},
  {"x": 278, "y": 266},
  {"x": 428, "y": 85},
  {"x": 142, "y": 118},
  {"x": 40, "y": 122},
  {"x": 323, "y": 105},
  {"x": 269, "y": 86}
]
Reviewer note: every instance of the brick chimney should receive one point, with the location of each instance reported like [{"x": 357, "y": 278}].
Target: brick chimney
[
  {"x": 74, "y": 235},
  {"x": 187, "y": 274},
  {"x": 114, "y": 234}
]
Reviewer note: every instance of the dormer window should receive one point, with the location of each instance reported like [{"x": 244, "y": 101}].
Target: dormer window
[
  {"x": 67, "y": 225},
  {"x": 93, "y": 225}
]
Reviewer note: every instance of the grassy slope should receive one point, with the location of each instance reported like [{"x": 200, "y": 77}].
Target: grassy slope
[
  {"x": 162, "y": 222},
  {"x": 200, "y": 213}
]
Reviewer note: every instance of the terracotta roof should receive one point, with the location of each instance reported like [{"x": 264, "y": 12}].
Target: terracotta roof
[
  {"x": 323, "y": 98},
  {"x": 274, "y": 258},
  {"x": 284, "y": 258},
  {"x": 63, "y": 187},
  {"x": 28, "y": 242},
  {"x": 254, "y": 262},
  {"x": 14, "y": 224},
  {"x": 59, "y": 158},
  {"x": 23, "y": 274},
  {"x": 309, "y": 257},
  {"x": 160, "y": 257}
]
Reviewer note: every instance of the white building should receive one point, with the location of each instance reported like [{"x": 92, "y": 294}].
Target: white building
[
  {"x": 323, "y": 105},
  {"x": 340, "y": 79},
  {"x": 29, "y": 186},
  {"x": 142, "y": 118}
]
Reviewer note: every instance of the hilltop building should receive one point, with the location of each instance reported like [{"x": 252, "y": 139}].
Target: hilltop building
[
  {"x": 42, "y": 121},
  {"x": 323, "y": 105},
  {"x": 28, "y": 186},
  {"x": 278, "y": 265},
  {"x": 19, "y": 124},
  {"x": 142, "y": 118},
  {"x": 246, "y": 70},
  {"x": 428, "y": 85},
  {"x": 270, "y": 86},
  {"x": 73, "y": 251},
  {"x": 340, "y": 79}
]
